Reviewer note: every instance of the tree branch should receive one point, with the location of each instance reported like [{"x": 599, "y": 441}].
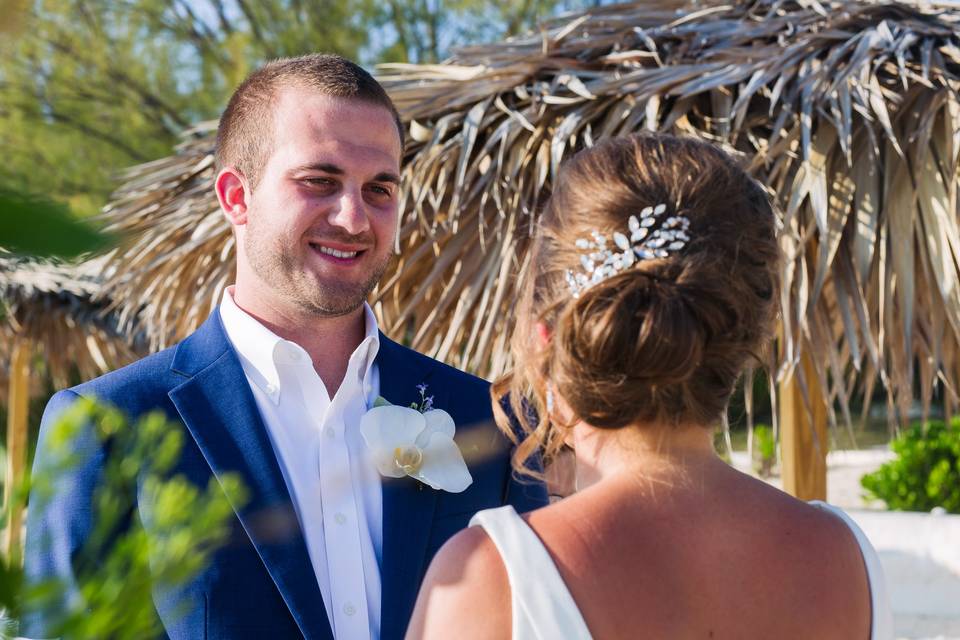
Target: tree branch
[
  {"x": 222, "y": 16},
  {"x": 148, "y": 98},
  {"x": 103, "y": 136},
  {"x": 255, "y": 28},
  {"x": 399, "y": 23}
]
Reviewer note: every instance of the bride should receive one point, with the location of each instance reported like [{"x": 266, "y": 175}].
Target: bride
[{"x": 653, "y": 281}]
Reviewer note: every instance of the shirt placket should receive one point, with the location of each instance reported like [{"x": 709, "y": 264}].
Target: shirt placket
[
  {"x": 366, "y": 480},
  {"x": 341, "y": 522}
]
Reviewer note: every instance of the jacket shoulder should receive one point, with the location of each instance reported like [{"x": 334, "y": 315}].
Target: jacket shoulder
[{"x": 136, "y": 385}]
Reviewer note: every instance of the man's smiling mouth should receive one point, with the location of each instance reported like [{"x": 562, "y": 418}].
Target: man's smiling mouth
[{"x": 334, "y": 253}]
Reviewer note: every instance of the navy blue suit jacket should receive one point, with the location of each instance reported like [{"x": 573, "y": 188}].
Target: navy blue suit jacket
[{"x": 261, "y": 584}]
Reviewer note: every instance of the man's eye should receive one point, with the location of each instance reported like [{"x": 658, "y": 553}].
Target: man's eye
[
  {"x": 380, "y": 190},
  {"x": 319, "y": 182}
]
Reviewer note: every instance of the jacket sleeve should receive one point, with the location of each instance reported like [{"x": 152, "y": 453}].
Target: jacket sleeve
[{"x": 60, "y": 517}]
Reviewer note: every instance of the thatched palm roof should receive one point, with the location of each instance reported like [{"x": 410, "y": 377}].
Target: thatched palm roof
[
  {"x": 847, "y": 111},
  {"x": 53, "y": 307}
]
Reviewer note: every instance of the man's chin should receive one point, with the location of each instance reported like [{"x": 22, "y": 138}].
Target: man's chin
[
  {"x": 335, "y": 301},
  {"x": 331, "y": 296}
]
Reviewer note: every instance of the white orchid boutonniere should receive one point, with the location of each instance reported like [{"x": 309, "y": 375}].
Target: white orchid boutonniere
[{"x": 415, "y": 441}]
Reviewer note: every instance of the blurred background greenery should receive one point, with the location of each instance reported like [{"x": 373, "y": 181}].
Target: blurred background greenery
[{"x": 94, "y": 86}]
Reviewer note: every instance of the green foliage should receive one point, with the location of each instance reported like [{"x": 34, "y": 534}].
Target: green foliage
[
  {"x": 181, "y": 526},
  {"x": 764, "y": 451},
  {"x": 41, "y": 228},
  {"x": 93, "y": 86},
  {"x": 11, "y": 14},
  {"x": 925, "y": 473},
  {"x": 89, "y": 88},
  {"x": 423, "y": 31}
]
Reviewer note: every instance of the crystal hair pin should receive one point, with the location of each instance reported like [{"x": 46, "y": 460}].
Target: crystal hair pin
[{"x": 644, "y": 243}]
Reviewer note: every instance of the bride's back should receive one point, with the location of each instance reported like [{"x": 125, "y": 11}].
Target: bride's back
[{"x": 731, "y": 559}]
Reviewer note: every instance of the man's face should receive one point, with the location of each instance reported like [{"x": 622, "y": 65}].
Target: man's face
[{"x": 321, "y": 222}]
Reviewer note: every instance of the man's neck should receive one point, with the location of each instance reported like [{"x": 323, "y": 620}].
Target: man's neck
[{"x": 330, "y": 340}]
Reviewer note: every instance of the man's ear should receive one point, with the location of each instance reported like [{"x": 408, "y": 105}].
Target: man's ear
[{"x": 233, "y": 194}]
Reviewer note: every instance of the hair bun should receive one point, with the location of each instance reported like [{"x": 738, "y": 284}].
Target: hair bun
[
  {"x": 663, "y": 341},
  {"x": 623, "y": 341}
]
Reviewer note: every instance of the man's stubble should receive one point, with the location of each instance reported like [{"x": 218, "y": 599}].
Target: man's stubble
[{"x": 286, "y": 273}]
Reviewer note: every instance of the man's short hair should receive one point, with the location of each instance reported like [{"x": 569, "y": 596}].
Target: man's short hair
[{"x": 246, "y": 131}]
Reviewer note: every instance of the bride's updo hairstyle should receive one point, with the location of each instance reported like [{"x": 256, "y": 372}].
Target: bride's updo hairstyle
[{"x": 663, "y": 341}]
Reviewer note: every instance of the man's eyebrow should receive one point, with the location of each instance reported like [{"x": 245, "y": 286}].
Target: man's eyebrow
[
  {"x": 387, "y": 177},
  {"x": 325, "y": 167}
]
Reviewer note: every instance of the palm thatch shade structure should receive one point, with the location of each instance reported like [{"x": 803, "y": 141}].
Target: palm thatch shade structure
[
  {"x": 52, "y": 308},
  {"x": 49, "y": 310},
  {"x": 847, "y": 111}
]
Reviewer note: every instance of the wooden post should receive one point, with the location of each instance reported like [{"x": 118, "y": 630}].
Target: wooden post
[
  {"x": 17, "y": 425},
  {"x": 803, "y": 458}
]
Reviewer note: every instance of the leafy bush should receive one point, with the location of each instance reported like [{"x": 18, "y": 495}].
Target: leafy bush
[
  {"x": 185, "y": 526},
  {"x": 764, "y": 451},
  {"x": 925, "y": 473}
]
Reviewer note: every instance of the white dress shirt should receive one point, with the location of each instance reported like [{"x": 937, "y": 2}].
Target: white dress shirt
[{"x": 334, "y": 487}]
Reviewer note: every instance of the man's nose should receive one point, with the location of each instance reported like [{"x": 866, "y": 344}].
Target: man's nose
[{"x": 350, "y": 213}]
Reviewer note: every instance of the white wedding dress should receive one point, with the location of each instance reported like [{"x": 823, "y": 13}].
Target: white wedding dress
[{"x": 543, "y": 608}]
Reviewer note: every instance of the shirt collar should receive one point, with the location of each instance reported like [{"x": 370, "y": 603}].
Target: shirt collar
[
  {"x": 370, "y": 345},
  {"x": 260, "y": 349},
  {"x": 364, "y": 356},
  {"x": 254, "y": 343}
]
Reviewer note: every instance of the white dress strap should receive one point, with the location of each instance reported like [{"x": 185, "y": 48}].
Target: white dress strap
[
  {"x": 543, "y": 608},
  {"x": 881, "y": 627}
]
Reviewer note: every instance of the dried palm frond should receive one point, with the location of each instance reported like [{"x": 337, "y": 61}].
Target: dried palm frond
[
  {"x": 847, "y": 111},
  {"x": 51, "y": 306}
]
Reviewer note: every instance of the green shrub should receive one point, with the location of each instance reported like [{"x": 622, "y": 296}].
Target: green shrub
[
  {"x": 925, "y": 473},
  {"x": 764, "y": 451},
  {"x": 187, "y": 525}
]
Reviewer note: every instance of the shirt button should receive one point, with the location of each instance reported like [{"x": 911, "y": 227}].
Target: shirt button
[
  {"x": 271, "y": 389},
  {"x": 330, "y": 433},
  {"x": 340, "y": 518},
  {"x": 349, "y": 609}
]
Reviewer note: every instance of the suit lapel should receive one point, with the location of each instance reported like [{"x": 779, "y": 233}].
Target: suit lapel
[
  {"x": 219, "y": 410},
  {"x": 408, "y": 506}
]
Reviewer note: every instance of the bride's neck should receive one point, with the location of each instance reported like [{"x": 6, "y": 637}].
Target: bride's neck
[{"x": 675, "y": 456}]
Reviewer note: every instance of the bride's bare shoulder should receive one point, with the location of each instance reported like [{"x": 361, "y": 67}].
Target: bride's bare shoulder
[
  {"x": 466, "y": 588},
  {"x": 747, "y": 542}
]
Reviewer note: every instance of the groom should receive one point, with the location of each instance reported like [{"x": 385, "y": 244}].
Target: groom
[{"x": 274, "y": 384}]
